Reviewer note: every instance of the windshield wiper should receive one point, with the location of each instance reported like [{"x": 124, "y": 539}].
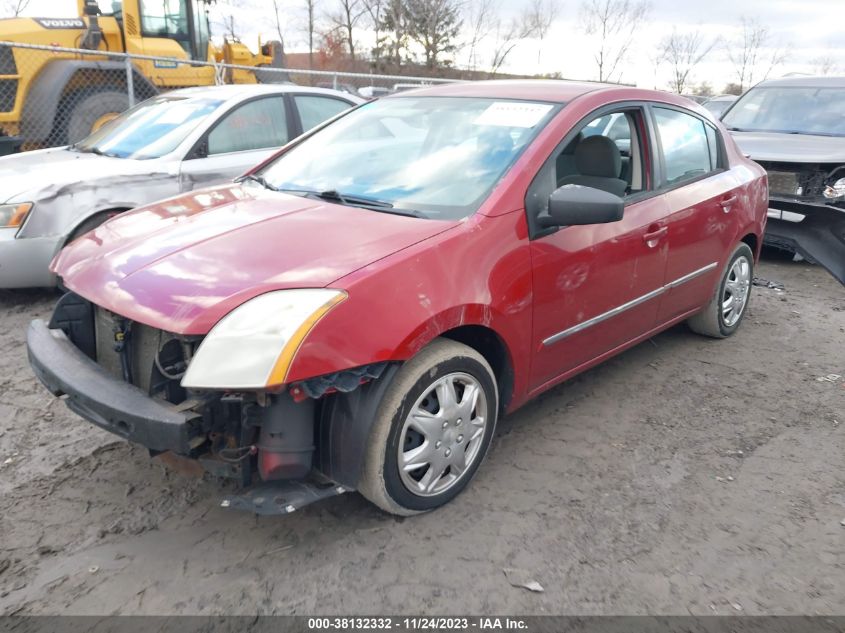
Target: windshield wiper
[
  {"x": 261, "y": 180},
  {"x": 374, "y": 204}
]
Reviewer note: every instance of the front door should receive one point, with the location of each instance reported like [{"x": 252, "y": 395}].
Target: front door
[
  {"x": 245, "y": 136},
  {"x": 596, "y": 287}
]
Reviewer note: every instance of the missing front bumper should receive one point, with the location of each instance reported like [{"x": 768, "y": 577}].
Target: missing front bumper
[
  {"x": 819, "y": 236},
  {"x": 99, "y": 397}
]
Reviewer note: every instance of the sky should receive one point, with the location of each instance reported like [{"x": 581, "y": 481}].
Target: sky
[{"x": 809, "y": 29}]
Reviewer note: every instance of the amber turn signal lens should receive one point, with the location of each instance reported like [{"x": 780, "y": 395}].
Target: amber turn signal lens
[{"x": 13, "y": 215}]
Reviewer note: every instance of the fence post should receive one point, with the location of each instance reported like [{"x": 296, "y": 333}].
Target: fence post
[
  {"x": 334, "y": 82},
  {"x": 130, "y": 81}
]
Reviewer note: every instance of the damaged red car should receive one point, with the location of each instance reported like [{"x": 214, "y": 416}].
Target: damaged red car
[{"x": 359, "y": 311}]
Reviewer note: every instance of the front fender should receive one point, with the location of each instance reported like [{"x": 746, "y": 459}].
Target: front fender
[{"x": 479, "y": 275}]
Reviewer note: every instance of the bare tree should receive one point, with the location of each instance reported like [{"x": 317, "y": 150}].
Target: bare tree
[
  {"x": 537, "y": 19},
  {"x": 480, "y": 18},
  {"x": 375, "y": 14},
  {"x": 684, "y": 52},
  {"x": 435, "y": 25},
  {"x": 824, "y": 65},
  {"x": 752, "y": 54},
  {"x": 614, "y": 22},
  {"x": 13, "y": 8},
  {"x": 227, "y": 12},
  {"x": 279, "y": 30},
  {"x": 345, "y": 19}
]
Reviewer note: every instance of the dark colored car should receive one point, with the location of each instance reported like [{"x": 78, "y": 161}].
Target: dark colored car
[
  {"x": 795, "y": 128},
  {"x": 359, "y": 311}
]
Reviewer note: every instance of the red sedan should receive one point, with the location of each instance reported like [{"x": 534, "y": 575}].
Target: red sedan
[{"x": 358, "y": 312}]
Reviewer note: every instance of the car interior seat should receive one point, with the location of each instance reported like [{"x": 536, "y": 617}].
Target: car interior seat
[{"x": 598, "y": 162}]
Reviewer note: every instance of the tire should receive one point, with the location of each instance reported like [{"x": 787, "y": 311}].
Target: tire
[
  {"x": 90, "y": 109},
  {"x": 717, "y": 320},
  {"x": 415, "y": 387}
]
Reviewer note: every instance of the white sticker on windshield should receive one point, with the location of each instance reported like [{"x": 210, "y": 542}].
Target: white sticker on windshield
[
  {"x": 177, "y": 114},
  {"x": 513, "y": 114}
]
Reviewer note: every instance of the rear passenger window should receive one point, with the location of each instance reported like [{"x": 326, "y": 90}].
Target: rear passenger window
[
  {"x": 686, "y": 147},
  {"x": 259, "y": 124},
  {"x": 313, "y": 110}
]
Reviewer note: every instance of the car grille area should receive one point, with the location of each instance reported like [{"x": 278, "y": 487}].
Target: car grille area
[{"x": 151, "y": 359}]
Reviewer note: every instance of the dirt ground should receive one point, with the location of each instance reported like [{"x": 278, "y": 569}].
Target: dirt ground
[{"x": 684, "y": 476}]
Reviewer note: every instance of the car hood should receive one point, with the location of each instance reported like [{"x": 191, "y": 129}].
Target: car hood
[
  {"x": 29, "y": 176},
  {"x": 791, "y": 148},
  {"x": 181, "y": 264}
]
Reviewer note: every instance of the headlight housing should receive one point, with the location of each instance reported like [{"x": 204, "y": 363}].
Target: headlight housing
[
  {"x": 13, "y": 215},
  {"x": 253, "y": 346},
  {"x": 835, "y": 189}
]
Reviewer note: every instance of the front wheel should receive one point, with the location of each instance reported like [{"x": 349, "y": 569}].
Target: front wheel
[
  {"x": 432, "y": 429},
  {"x": 724, "y": 313}
]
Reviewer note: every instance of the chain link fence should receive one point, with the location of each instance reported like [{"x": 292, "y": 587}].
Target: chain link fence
[{"x": 51, "y": 95}]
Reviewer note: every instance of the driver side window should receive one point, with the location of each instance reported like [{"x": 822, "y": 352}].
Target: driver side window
[
  {"x": 259, "y": 124},
  {"x": 606, "y": 153}
]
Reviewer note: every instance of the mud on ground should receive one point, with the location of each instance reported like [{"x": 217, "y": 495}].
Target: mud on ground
[{"x": 684, "y": 476}]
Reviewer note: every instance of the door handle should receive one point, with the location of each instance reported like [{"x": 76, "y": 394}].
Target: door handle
[
  {"x": 652, "y": 237},
  {"x": 727, "y": 203}
]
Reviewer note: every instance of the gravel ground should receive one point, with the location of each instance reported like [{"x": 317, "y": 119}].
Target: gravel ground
[{"x": 684, "y": 476}]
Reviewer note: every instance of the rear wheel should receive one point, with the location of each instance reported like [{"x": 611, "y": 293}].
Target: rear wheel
[
  {"x": 432, "y": 429},
  {"x": 724, "y": 313},
  {"x": 91, "y": 112}
]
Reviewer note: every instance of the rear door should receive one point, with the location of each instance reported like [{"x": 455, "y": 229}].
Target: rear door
[
  {"x": 243, "y": 137},
  {"x": 701, "y": 196}
]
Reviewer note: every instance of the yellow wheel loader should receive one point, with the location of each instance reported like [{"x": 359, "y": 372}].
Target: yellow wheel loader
[{"x": 50, "y": 97}]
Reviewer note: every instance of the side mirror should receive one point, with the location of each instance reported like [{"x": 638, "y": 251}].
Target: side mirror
[{"x": 577, "y": 204}]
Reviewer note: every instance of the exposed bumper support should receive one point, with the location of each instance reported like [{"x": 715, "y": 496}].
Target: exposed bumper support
[
  {"x": 282, "y": 497},
  {"x": 102, "y": 399},
  {"x": 820, "y": 236}
]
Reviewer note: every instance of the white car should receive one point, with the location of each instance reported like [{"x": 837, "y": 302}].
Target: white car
[{"x": 166, "y": 145}]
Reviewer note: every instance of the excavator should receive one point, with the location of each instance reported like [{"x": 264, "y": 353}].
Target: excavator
[{"x": 50, "y": 97}]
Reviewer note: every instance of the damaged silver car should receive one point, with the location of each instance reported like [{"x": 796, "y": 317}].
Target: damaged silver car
[
  {"x": 795, "y": 129},
  {"x": 164, "y": 146}
]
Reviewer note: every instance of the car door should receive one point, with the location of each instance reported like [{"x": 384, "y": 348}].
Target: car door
[
  {"x": 243, "y": 137},
  {"x": 596, "y": 286},
  {"x": 700, "y": 194},
  {"x": 313, "y": 109}
]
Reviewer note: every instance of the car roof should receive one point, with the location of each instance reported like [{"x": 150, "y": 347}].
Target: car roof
[
  {"x": 805, "y": 82},
  {"x": 245, "y": 91},
  {"x": 554, "y": 90}
]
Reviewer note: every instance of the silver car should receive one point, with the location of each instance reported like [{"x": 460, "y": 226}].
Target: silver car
[{"x": 169, "y": 144}]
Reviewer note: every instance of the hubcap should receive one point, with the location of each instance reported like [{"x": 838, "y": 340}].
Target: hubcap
[
  {"x": 737, "y": 287},
  {"x": 442, "y": 435}
]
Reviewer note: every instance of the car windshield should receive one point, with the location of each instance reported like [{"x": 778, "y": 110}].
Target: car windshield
[
  {"x": 794, "y": 110},
  {"x": 436, "y": 157},
  {"x": 150, "y": 130}
]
